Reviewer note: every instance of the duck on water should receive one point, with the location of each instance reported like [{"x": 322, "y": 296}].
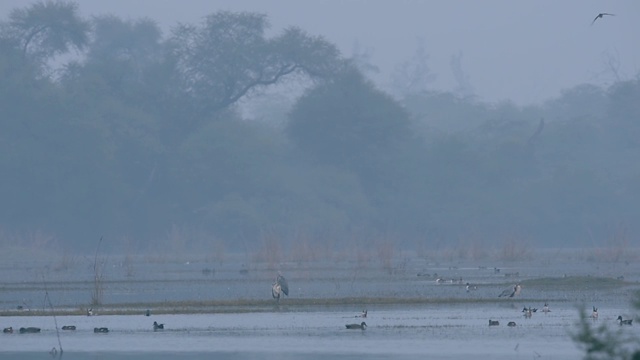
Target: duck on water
[
  {"x": 624, "y": 322},
  {"x": 361, "y": 326},
  {"x": 29, "y": 330}
]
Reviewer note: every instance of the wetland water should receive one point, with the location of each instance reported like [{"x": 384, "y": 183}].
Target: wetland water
[{"x": 409, "y": 316}]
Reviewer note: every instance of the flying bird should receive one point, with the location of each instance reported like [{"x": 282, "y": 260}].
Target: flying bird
[
  {"x": 600, "y": 16},
  {"x": 279, "y": 286}
]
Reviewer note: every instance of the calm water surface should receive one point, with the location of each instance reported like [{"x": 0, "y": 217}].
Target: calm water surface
[
  {"x": 457, "y": 330},
  {"x": 448, "y": 332}
]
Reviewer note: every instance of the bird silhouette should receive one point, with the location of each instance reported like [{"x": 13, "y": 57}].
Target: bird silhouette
[{"x": 600, "y": 16}]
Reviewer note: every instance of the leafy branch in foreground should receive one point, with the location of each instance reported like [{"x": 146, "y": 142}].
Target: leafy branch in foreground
[{"x": 600, "y": 342}]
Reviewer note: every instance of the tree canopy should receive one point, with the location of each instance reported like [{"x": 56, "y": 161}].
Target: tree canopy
[{"x": 142, "y": 135}]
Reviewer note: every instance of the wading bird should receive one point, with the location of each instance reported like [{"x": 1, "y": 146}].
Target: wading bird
[
  {"x": 279, "y": 286},
  {"x": 600, "y": 16},
  {"x": 594, "y": 313},
  {"x": 625, "y": 322},
  {"x": 545, "y": 308},
  {"x": 361, "y": 326},
  {"x": 511, "y": 292}
]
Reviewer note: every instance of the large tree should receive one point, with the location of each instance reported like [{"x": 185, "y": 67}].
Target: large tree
[
  {"x": 44, "y": 30},
  {"x": 348, "y": 122},
  {"x": 228, "y": 56}
]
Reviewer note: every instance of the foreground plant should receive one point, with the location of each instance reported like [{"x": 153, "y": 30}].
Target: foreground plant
[{"x": 601, "y": 342}]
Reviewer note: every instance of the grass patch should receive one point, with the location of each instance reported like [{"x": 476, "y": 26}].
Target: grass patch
[{"x": 246, "y": 306}]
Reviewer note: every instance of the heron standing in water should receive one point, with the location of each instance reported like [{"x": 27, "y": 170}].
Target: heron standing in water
[
  {"x": 511, "y": 292},
  {"x": 279, "y": 286}
]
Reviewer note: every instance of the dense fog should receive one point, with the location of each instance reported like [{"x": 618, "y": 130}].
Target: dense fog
[{"x": 225, "y": 133}]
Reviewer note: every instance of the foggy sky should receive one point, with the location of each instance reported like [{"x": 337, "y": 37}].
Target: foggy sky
[{"x": 524, "y": 51}]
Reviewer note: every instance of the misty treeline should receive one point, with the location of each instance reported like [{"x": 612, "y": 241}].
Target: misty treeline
[{"x": 111, "y": 128}]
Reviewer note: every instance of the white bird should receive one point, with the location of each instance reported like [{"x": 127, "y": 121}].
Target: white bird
[
  {"x": 471, "y": 287},
  {"x": 545, "y": 308},
  {"x": 594, "y": 314}
]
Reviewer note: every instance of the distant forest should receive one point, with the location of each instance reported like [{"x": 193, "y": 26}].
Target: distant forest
[{"x": 111, "y": 128}]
